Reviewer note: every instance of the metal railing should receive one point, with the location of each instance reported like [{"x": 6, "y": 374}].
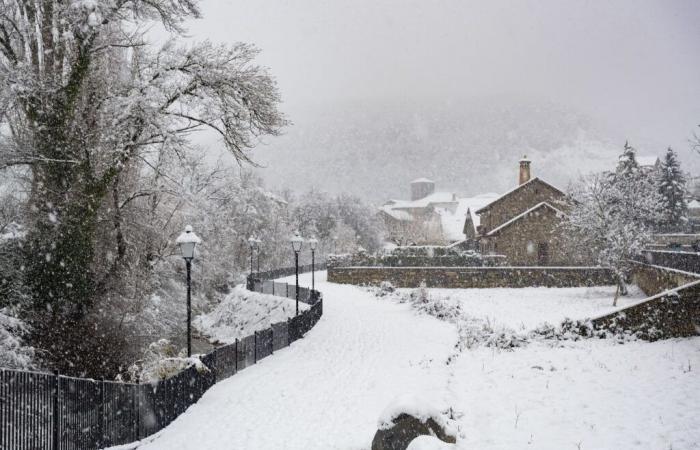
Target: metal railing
[{"x": 52, "y": 411}]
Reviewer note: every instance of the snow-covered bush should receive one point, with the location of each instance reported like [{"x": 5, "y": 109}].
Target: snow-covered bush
[
  {"x": 385, "y": 288},
  {"x": 162, "y": 360},
  {"x": 13, "y": 353},
  {"x": 473, "y": 332}
]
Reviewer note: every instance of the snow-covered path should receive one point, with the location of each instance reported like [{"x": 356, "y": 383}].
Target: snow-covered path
[{"x": 327, "y": 390}]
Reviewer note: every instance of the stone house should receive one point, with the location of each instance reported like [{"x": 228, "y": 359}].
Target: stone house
[{"x": 524, "y": 223}]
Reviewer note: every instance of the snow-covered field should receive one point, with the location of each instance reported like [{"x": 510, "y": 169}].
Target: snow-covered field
[
  {"x": 328, "y": 390},
  {"x": 527, "y": 308}
]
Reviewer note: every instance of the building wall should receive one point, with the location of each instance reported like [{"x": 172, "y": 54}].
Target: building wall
[
  {"x": 517, "y": 202},
  {"x": 523, "y": 241}
]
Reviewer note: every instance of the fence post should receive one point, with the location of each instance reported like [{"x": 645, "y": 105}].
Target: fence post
[
  {"x": 272, "y": 339},
  {"x": 134, "y": 412},
  {"x": 255, "y": 347},
  {"x": 286, "y": 290},
  {"x": 273, "y": 287},
  {"x": 56, "y": 419},
  {"x": 289, "y": 330},
  {"x": 236, "y": 359},
  {"x": 138, "y": 408},
  {"x": 215, "y": 365},
  {"x": 101, "y": 415}
]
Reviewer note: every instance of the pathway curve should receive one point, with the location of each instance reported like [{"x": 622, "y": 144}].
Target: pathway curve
[{"x": 326, "y": 390}]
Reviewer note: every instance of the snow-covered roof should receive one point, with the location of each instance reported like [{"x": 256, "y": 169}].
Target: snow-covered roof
[
  {"x": 531, "y": 180},
  {"x": 453, "y": 220},
  {"x": 524, "y": 214},
  {"x": 694, "y": 204},
  {"x": 397, "y": 214},
  {"x": 422, "y": 180},
  {"x": 647, "y": 161},
  {"x": 436, "y": 197}
]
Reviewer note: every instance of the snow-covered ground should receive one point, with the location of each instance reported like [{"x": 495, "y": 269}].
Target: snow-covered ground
[
  {"x": 527, "y": 308},
  {"x": 327, "y": 390},
  {"x": 243, "y": 312}
]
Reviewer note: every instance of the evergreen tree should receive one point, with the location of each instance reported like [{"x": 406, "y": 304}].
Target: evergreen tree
[
  {"x": 627, "y": 162},
  {"x": 672, "y": 187}
]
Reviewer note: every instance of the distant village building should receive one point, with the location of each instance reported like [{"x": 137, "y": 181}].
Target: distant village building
[
  {"x": 524, "y": 223},
  {"x": 432, "y": 218},
  {"x": 649, "y": 163}
]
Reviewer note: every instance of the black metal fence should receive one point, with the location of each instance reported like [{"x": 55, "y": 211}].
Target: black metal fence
[{"x": 52, "y": 411}]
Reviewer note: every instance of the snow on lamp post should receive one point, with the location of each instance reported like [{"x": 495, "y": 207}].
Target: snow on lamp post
[
  {"x": 313, "y": 243},
  {"x": 187, "y": 242},
  {"x": 297, "y": 242}
]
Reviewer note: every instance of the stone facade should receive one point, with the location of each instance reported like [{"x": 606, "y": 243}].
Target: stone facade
[
  {"x": 517, "y": 201},
  {"x": 473, "y": 277},
  {"x": 534, "y": 240}
]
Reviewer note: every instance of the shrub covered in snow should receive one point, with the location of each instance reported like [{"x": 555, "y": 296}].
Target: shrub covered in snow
[
  {"x": 475, "y": 332},
  {"x": 13, "y": 353},
  {"x": 162, "y": 360},
  {"x": 242, "y": 312}
]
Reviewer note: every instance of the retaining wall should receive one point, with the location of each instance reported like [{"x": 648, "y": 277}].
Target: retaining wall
[
  {"x": 653, "y": 279},
  {"x": 673, "y": 313},
  {"x": 473, "y": 277}
]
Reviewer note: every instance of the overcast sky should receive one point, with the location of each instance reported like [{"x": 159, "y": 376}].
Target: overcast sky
[{"x": 634, "y": 65}]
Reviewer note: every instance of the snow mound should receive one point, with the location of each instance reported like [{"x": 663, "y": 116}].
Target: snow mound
[
  {"x": 429, "y": 443},
  {"x": 414, "y": 406},
  {"x": 243, "y": 312}
]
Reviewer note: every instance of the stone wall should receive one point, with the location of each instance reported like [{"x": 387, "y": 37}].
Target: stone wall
[
  {"x": 685, "y": 261},
  {"x": 674, "y": 313},
  {"x": 655, "y": 279},
  {"x": 473, "y": 277},
  {"x": 417, "y": 260}
]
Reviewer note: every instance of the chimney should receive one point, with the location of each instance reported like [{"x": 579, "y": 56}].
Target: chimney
[{"x": 524, "y": 170}]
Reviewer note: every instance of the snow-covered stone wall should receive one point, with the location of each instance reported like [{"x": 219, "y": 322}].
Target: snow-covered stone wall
[
  {"x": 672, "y": 313},
  {"x": 473, "y": 277},
  {"x": 653, "y": 279}
]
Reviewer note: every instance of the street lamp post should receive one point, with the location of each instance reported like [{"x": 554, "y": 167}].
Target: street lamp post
[
  {"x": 297, "y": 242},
  {"x": 258, "y": 246},
  {"x": 251, "y": 244},
  {"x": 313, "y": 243},
  {"x": 187, "y": 242}
]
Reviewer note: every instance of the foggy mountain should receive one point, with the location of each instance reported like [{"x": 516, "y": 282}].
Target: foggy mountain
[{"x": 374, "y": 149}]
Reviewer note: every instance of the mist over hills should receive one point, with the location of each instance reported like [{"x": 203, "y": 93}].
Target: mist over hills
[{"x": 374, "y": 149}]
